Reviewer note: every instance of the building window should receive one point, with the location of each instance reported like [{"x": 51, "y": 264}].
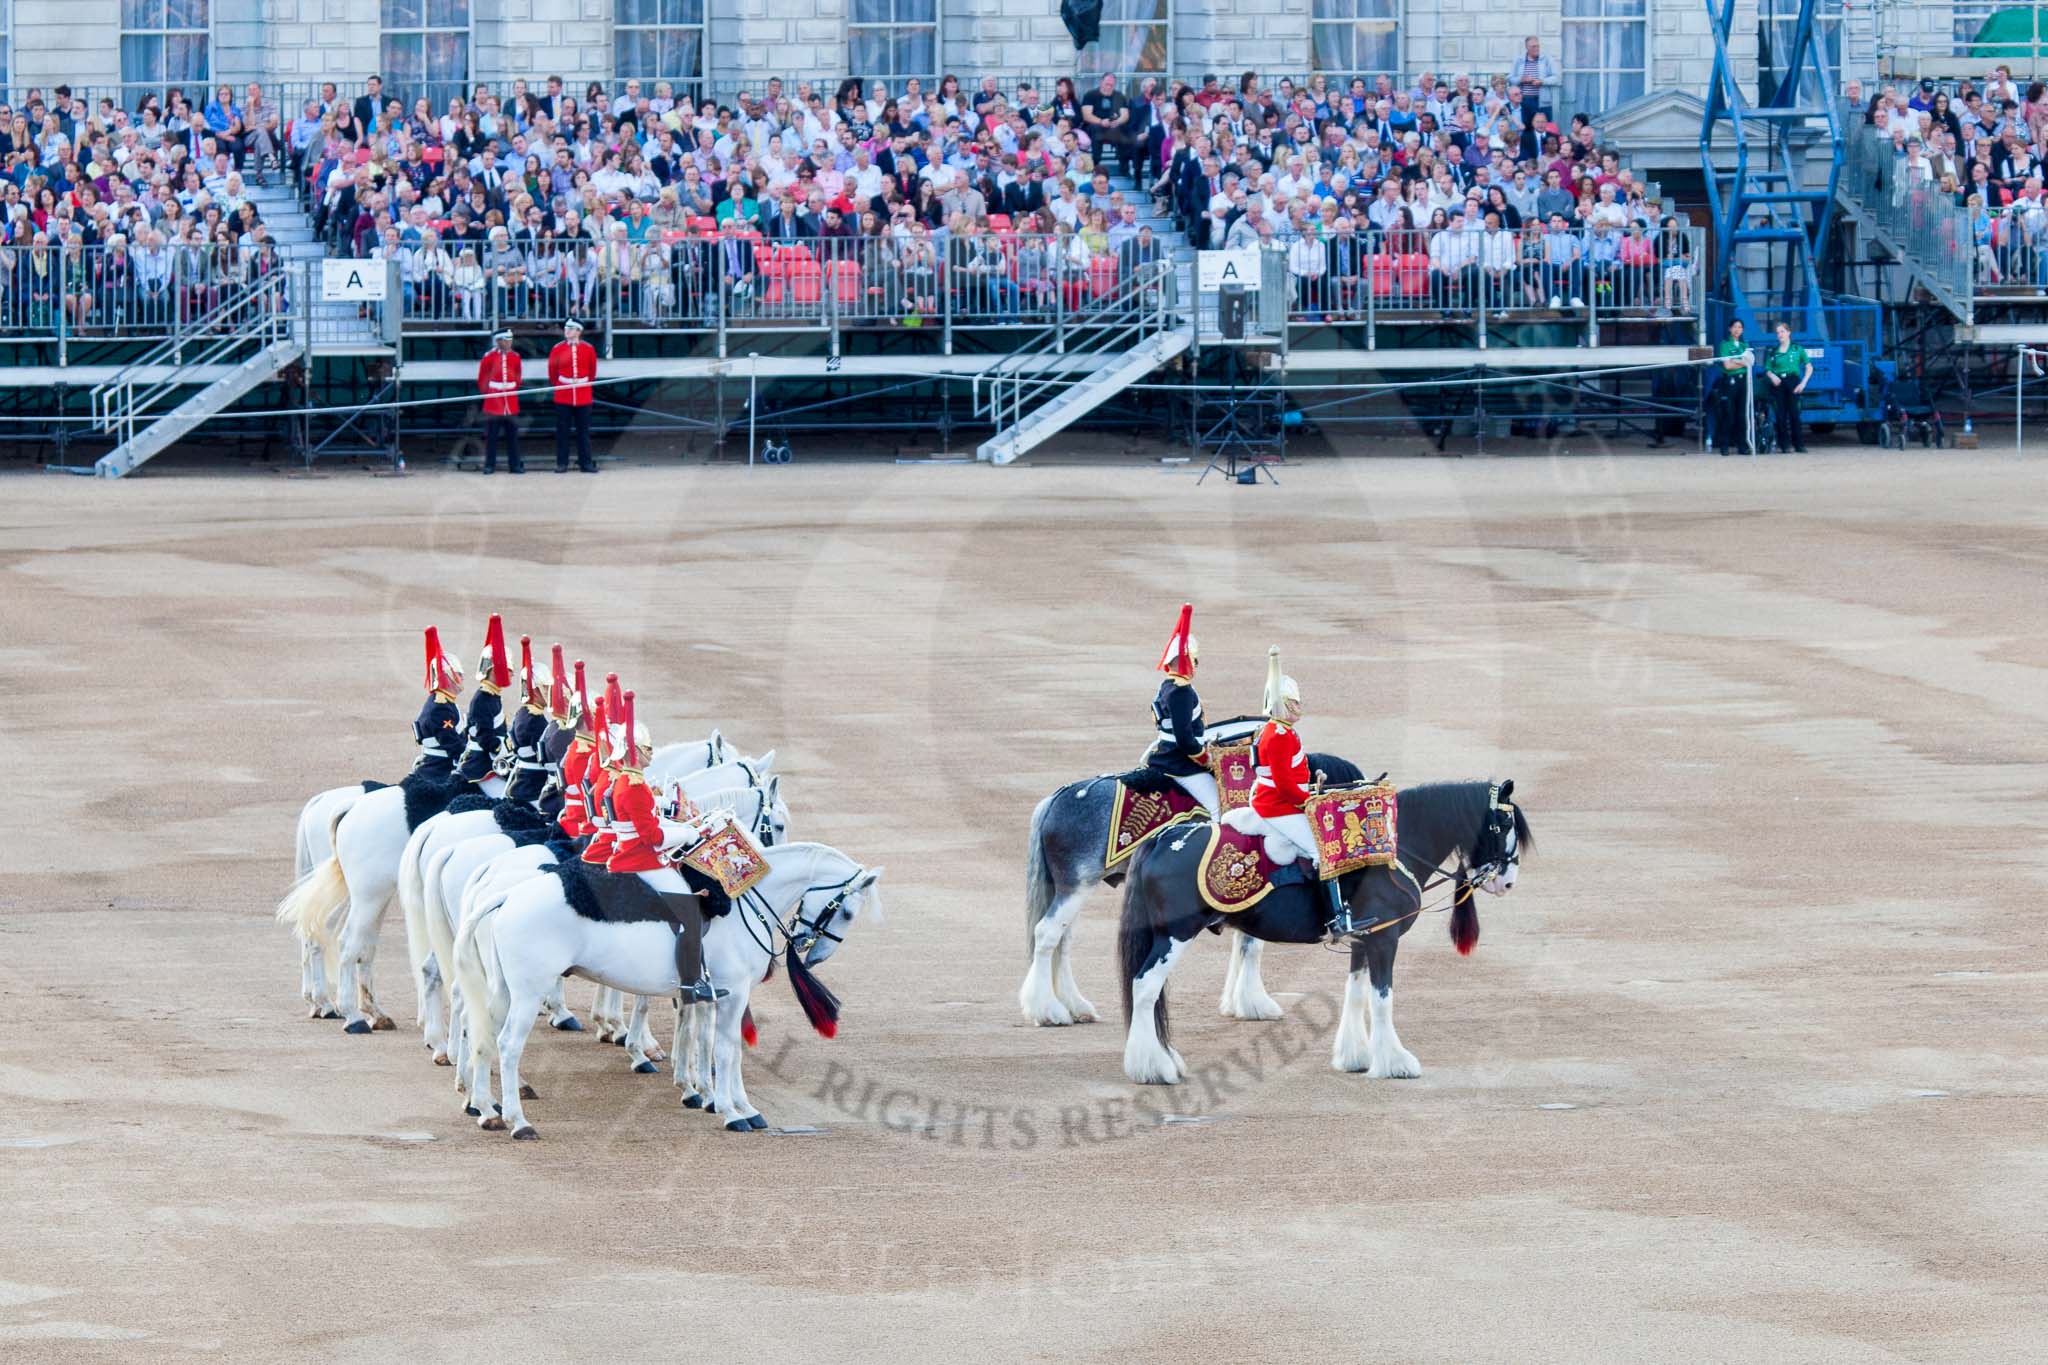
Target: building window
[
  {"x": 1356, "y": 37},
  {"x": 6, "y": 40},
  {"x": 424, "y": 50},
  {"x": 892, "y": 40},
  {"x": 166, "y": 42},
  {"x": 661, "y": 40},
  {"x": 1133, "y": 41},
  {"x": 1606, "y": 53},
  {"x": 1782, "y": 25}
]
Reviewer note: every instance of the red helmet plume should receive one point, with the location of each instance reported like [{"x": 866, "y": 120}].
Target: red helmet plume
[
  {"x": 443, "y": 675},
  {"x": 558, "y": 685},
  {"x": 584, "y": 718},
  {"x": 496, "y": 667},
  {"x": 1178, "y": 659}
]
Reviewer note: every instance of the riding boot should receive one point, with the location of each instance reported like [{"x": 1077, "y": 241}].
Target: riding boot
[
  {"x": 695, "y": 982},
  {"x": 1341, "y": 924}
]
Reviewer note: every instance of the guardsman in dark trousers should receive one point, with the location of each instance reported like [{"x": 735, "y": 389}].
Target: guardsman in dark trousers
[
  {"x": 572, "y": 365},
  {"x": 497, "y": 379},
  {"x": 1181, "y": 749}
]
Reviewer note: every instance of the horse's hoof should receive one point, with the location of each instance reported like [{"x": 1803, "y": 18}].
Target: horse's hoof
[
  {"x": 356, "y": 1026},
  {"x": 330, "y": 1013},
  {"x": 494, "y": 1124},
  {"x": 525, "y": 1133},
  {"x": 383, "y": 1024},
  {"x": 757, "y": 1123},
  {"x": 526, "y": 1092},
  {"x": 693, "y": 1101},
  {"x": 646, "y": 1069},
  {"x": 571, "y": 1025},
  {"x": 710, "y": 1108},
  {"x": 472, "y": 1111},
  {"x": 619, "y": 1041},
  {"x": 738, "y": 1126},
  {"x": 441, "y": 1059}
]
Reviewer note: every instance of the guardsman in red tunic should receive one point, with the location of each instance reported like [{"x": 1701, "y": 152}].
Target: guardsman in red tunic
[
  {"x": 559, "y": 734},
  {"x": 599, "y": 772},
  {"x": 574, "y": 762},
  {"x": 643, "y": 840},
  {"x": 572, "y": 365},
  {"x": 497, "y": 379},
  {"x": 1280, "y": 782},
  {"x": 438, "y": 727}
]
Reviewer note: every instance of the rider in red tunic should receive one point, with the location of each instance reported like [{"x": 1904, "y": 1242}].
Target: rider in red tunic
[
  {"x": 598, "y": 773},
  {"x": 1280, "y": 785},
  {"x": 643, "y": 837},
  {"x": 575, "y": 760}
]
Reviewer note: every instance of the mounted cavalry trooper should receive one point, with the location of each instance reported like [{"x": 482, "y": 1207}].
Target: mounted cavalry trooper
[
  {"x": 561, "y": 721},
  {"x": 1181, "y": 749},
  {"x": 437, "y": 726},
  {"x": 599, "y": 771},
  {"x": 1280, "y": 784},
  {"x": 643, "y": 838},
  {"x": 483, "y": 729},
  {"x": 573, "y": 820},
  {"x": 524, "y": 733}
]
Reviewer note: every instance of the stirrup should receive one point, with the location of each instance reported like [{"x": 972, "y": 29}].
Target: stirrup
[{"x": 702, "y": 992}]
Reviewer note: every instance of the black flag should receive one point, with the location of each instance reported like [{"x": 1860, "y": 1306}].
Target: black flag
[{"x": 1083, "y": 19}]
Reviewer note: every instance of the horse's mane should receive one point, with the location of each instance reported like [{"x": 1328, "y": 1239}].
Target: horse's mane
[{"x": 1462, "y": 803}]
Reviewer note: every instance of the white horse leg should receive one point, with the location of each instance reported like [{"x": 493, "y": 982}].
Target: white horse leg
[
  {"x": 1147, "y": 1060},
  {"x": 366, "y": 980},
  {"x": 1351, "y": 1050},
  {"x": 313, "y": 981},
  {"x": 555, "y": 1002},
  {"x": 1246, "y": 996},
  {"x": 1390, "y": 1061},
  {"x": 606, "y": 1012},
  {"x": 641, "y": 1048},
  {"x": 519, "y": 1020},
  {"x": 1063, "y": 979},
  {"x": 740, "y": 1116},
  {"x": 1226, "y": 1004},
  {"x": 701, "y": 1029},
  {"x": 1039, "y": 997}
]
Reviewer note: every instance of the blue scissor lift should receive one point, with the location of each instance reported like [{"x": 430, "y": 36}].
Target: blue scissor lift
[{"x": 1768, "y": 201}]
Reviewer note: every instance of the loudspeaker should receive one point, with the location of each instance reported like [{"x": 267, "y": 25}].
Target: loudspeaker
[{"x": 1230, "y": 312}]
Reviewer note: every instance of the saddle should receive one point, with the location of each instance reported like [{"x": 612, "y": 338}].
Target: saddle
[
  {"x": 426, "y": 796},
  {"x": 1235, "y": 871},
  {"x": 521, "y": 823},
  {"x": 1139, "y": 812},
  {"x": 614, "y": 897}
]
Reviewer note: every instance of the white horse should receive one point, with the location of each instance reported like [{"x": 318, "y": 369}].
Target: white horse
[
  {"x": 313, "y": 846},
  {"x": 490, "y": 864},
  {"x": 430, "y": 939},
  {"x": 512, "y": 945}
]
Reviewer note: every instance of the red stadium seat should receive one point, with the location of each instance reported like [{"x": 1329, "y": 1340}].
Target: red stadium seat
[
  {"x": 805, "y": 280},
  {"x": 1385, "y": 274},
  {"x": 846, "y": 280},
  {"x": 999, "y": 221},
  {"x": 704, "y": 224},
  {"x": 1414, "y": 270},
  {"x": 1101, "y": 276}
]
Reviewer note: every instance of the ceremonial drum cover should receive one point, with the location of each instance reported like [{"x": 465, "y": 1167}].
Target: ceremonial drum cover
[
  {"x": 728, "y": 857},
  {"x": 1234, "y": 768},
  {"x": 1354, "y": 827}
]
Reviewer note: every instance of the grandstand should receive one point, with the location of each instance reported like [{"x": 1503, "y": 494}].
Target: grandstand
[{"x": 1004, "y": 252}]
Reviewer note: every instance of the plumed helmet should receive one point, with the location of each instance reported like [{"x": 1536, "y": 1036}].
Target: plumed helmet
[
  {"x": 1177, "y": 660},
  {"x": 1280, "y": 689},
  {"x": 444, "y": 675}
]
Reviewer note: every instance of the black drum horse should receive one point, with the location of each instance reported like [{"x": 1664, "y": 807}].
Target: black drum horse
[{"x": 1476, "y": 823}]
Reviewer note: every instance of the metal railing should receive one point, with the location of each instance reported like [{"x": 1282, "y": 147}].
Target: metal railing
[
  {"x": 1139, "y": 306},
  {"x": 1574, "y": 276},
  {"x": 1933, "y": 229},
  {"x": 73, "y": 294},
  {"x": 237, "y": 322}
]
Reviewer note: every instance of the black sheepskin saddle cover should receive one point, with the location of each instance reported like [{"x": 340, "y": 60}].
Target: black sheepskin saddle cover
[
  {"x": 610, "y": 897},
  {"x": 469, "y": 801},
  {"x": 522, "y": 824},
  {"x": 370, "y": 785},
  {"x": 426, "y": 796}
]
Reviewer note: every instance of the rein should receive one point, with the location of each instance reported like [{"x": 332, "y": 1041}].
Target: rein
[
  {"x": 799, "y": 933},
  {"x": 1468, "y": 877}
]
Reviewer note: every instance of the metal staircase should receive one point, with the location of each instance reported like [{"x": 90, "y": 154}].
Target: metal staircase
[
  {"x": 250, "y": 333},
  {"x": 1033, "y": 394},
  {"x": 1768, "y": 202}
]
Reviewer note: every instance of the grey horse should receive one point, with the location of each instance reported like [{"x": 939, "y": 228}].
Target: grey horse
[{"x": 1063, "y": 862}]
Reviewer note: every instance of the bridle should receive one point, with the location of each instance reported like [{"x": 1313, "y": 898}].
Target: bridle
[
  {"x": 1499, "y": 822},
  {"x": 801, "y": 933}
]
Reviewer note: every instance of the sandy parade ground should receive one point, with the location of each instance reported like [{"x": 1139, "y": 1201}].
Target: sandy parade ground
[{"x": 1748, "y": 1067}]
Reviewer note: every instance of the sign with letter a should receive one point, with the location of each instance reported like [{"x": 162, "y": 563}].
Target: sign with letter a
[
  {"x": 352, "y": 281},
  {"x": 1218, "y": 268}
]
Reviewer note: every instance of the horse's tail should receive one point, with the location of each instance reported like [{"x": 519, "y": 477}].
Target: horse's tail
[
  {"x": 1464, "y": 918},
  {"x": 412, "y": 899},
  {"x": 469, "y": 973},
  {"x": 310, "y": 907},
  {"x": 302, "y": 843},
  {"x": 1136, "y": 934},
  {"x": 1037, "y": 877}
]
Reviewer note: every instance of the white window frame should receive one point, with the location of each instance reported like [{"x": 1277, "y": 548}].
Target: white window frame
[
  {"x": 204, "y": 82},
  {"x": 1333, "y": 74},
  {"x": 6, "y": 43},
  {"x": 1605, "y": 78},
  {"x": 464, "y": 84},
  {"x": 895, "y": 79},
  {"x": 692, "y": 88}
]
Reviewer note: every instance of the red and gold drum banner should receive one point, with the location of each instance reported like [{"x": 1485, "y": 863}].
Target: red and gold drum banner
[
  {"x": 1354, "y": 827},
  {"x": 728, "y": 857},
  {"x": 1233, "y": 767}
]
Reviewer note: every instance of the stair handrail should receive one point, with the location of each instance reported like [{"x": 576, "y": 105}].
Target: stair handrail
[
  {"x": 116, "y": 403},
  {"x": 1125, "y": 315}
]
